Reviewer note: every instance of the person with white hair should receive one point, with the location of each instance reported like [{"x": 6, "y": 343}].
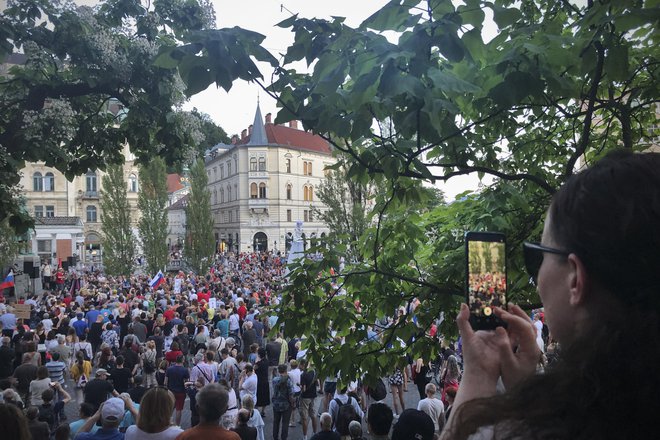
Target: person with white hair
[{"x": 326, "y": 432}]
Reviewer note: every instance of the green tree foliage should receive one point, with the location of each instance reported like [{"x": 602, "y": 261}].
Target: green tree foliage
[
  {"x": 118, "y": 241},
  {"x": 558, "y": 86},
  {"x": 213, "y": 133},
  {"x": 200, "y": 243},
  {"x": 152, "y": 203},
  {"x": 347, "y": 209},
  {"x": 95, "y": 78},
  {"x": 9, "y": 245}
]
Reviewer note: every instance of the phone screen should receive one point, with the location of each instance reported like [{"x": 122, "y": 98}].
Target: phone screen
[{"x": 486, "y": 276}]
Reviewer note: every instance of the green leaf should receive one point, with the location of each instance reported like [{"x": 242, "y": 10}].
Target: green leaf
[
  {"x": 394, "y": 16},
  {"x": 617, "y": 63},
  {"x": 451, "y": 47},
  {"x": 505, "y": 17},
  {"x": 446, "y": 80}
]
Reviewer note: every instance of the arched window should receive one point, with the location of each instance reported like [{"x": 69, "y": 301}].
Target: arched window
[
  {"x": 222, "y": 171},
  {"x": 288, "y": 166},
  {"x": 228, "y": 168},
  {"x": 91, "y": 214},
  {"x": 90, "y": 181},
  {"x": 305, "y": 193},
  {"x": 236, "y": 190},
  {"x": 262, "y": 190},
  {"x": 222, "y": 195},
  {"x": 289, "y": 190},
  {"x": 49, "y": 182},
  {"x": 37, "y": 182},
  {"x": 311, "y": 194},
  {"x": 253, "y": 191},
  {"x": 229, "y": 193},
  {"x": 132, "y": 183},
  {"x": 215, "y": 197},
  {"x": 253, "y": 163},
  {"x": 262, "y": 164}
]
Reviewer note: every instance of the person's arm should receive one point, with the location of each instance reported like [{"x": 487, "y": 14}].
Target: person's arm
[
  {"x": 90, "y": 421},
  {"x": 66, "y": 397},
  {"x": 128, "y": 403}
]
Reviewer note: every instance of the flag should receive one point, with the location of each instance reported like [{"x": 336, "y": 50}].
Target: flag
[
  {"x": 157, "y": 280},
  {"x": 8, "y": 282}
]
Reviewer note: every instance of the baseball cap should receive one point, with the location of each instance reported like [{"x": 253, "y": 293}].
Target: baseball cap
[
  {"x": 113, "y": 408},
  {"x": 413, "y": 425},
  {"x": 101, "y": 371}
]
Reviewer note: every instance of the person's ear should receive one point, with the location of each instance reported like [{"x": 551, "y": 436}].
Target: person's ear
[{"x": 578, "y": 281}]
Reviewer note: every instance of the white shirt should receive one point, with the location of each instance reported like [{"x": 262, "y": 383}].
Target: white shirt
[
  {"x": 135, "y": 433},
  {"x": 249, "y": 387},
  {"x": 295, "y": 379},
  {"x": 434, "y": 408}
]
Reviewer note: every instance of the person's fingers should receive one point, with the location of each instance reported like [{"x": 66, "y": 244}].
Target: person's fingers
[
  {"x": 463, "y": 322},
  {"x": 521, "y": 331}
]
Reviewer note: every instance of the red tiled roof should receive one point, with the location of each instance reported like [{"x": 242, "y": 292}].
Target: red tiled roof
[
  {"x": 293, "y": 138},
  {"x": 173, "y": 183}
]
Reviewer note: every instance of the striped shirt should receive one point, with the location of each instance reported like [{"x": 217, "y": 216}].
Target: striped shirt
[{"x": 56, "y": 371}]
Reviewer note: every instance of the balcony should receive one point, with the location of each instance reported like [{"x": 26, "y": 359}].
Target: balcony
[
  {"x": 258, "y": 203},
  {"x": 88, "y": 194}
]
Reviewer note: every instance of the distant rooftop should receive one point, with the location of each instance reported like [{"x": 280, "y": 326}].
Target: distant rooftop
[
  {"x": 58, "y": 221},
  {"x": 180, "y": 204}
]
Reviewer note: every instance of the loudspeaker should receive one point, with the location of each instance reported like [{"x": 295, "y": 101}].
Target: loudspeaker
[
  {"x": 28, "y": 267},
  {"x": 65, "y": 265},
  {"x": 35, "y": 273}
]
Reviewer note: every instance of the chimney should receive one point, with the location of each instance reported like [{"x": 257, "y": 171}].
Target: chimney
[
  {"x": 234, "y": 139},
  {"x": 293, "y": 124},
  {"x": 268, "y": 118},
  {"x": 250, "y": 130},
  {"x": 243, "y": 134}
]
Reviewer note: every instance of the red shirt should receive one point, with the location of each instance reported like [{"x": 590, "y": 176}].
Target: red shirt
[
  {"x": 242, "y": 312},
  {"x": 171, "y": 356},
  {"x": 169, "y": 314}
]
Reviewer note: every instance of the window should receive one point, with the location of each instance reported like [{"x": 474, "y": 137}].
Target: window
[
  {"x": 309, "y": 168},
  {"x": 37, "y": 182},
  {"x": 253, "y": 191},
  {"x": 288, "y": 215},
  {"x": 288, "y": 166},
  {"x": 311, "y": 215},
  {"x": 229, "y": 193},
  {"x": 262, "y": 190},
  {"x": 235, "y": 191},
  {"x": 132, "y": 183},
  {"x": 50, "y": 211},
  {"x": 91, "y": 214},
  {"x": 215, "y": 197},
  {"x": 311, "y": 193},
  {"x": 225, "y": 216},
  {"x": 262, "y": 164},
  {"x": 306, "y": 196},
  {"x": 222, "y": 171},
  {"x": 304, "y": 167},
  {"x": 231, "y": 216},
  {"x": 90, "y": 181},
  {"x": 306, "y": 215},
  {"x": 49, "y": 182},
  {"x": 222, "y": 195},
  {"x": 38, "y": 211},
  {"x": 289, "y": 190},
  {"x": 228, "y": 168},
  {"x": 44, "y": 246},
  {"x": 253, "y": 163},
  {"x": 215, "y": 175}
]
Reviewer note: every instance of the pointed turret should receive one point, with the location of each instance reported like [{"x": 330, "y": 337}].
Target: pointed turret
[{"x": 258, "y": 135}]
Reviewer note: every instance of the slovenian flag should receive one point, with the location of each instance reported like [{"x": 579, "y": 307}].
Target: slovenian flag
[
  {"x": 157, "y": 280},
  {"x": 8, "y": 282}
]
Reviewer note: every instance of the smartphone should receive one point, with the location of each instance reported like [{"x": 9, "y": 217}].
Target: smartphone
[{"x": 485, "y": 258}]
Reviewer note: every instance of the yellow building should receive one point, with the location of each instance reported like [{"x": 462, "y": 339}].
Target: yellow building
[{"x": 58, "y": 205}]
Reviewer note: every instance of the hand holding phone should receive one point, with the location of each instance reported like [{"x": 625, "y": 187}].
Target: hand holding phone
[{"x": 486, "y": 285}]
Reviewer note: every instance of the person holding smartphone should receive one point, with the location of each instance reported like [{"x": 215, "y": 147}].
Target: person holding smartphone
[{"x": 597, "y": 271}]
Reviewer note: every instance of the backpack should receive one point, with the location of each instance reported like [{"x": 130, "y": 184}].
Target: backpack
[
  {"x": 379, "y": 392},
  {"x": 345, "y": 415}
]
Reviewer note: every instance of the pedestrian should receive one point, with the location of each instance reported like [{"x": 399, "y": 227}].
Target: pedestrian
[
  {"x": 242, "y": 428},
  {"x": 282, "y": 403},
  {"x": 14, "y": 423},
  {"x": 110, "y": 414},
  {"x": 97, "y": 390},
  {"x": 176, "y": 377},
  {"x": 326, "y": 432},
  {"x": 154, "y": 417},
  {"x": 211, "y": 405}
]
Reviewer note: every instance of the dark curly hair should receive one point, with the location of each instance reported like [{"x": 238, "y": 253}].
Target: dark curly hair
[{"x": 604, "y": 384}]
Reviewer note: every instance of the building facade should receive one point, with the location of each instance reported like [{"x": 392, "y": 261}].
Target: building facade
[
  {"x": 63, "y": 204},
  {"x": 265, "y": 181}
]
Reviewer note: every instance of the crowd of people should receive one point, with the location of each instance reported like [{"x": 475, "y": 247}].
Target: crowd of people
[
  {"x": 136, "y": 353},
  {"x": 131, "y": 356}
]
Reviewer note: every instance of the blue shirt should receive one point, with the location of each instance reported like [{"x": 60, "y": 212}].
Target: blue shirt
[
  {"x": 80, "y": 327},
  {"x": 91, "y": 317},
  {"x": 101, "y": 434},
  {"x": 75, "y": 426},
  {"x": 223, "y": 326}
]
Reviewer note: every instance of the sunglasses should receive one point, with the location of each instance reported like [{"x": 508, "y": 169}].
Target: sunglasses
[{"x": 533, "y": 253}]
